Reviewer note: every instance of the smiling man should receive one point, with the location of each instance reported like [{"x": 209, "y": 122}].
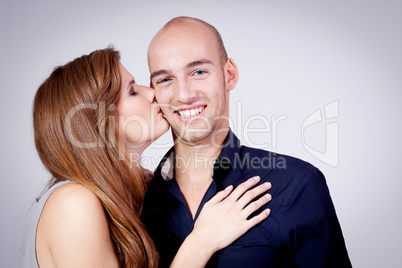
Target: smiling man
[{"x": 193, "y": 77}]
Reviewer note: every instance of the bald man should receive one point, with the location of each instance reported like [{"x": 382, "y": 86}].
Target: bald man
[{"x": 193, "y": 76}]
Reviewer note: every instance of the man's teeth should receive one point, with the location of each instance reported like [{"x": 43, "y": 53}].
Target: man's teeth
[{"x": 192, "y": 112}]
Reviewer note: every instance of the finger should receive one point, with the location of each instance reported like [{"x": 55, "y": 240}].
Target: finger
[
  {"x": 242, "y": 188},
  {"x": 253, "y": 193},
  {"x": 257, "y": 219},
  {"x": 254, "y": 206},
  {"x": 220, "y": 196}
]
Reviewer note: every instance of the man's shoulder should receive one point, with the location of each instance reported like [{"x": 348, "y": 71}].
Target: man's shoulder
[
  {"x": 272, "y": 161},
  {"x": 279, "y": 169}
]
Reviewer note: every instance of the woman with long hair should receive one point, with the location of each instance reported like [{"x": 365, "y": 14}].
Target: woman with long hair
[{"x": 91, "y": 122}]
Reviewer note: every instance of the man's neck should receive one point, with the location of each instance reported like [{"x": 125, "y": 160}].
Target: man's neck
[{"x": 194, "y": 162}]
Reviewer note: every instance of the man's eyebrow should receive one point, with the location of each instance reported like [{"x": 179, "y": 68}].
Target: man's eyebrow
[
  {"x": 188, "y": 66},
  {"x": 198, "y": 62},
  {"x": 159, "y": 72}
]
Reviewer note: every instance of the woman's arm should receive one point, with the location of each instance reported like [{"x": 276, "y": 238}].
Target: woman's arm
[
  {"x": 222, "y": 220},
  {"x": 73, "y": 230}
]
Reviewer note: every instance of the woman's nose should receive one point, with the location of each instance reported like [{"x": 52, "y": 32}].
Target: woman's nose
[{"x": 149, "y": 93}]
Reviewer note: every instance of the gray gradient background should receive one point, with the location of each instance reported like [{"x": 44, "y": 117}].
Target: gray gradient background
[{"x": 294, "y": 58}]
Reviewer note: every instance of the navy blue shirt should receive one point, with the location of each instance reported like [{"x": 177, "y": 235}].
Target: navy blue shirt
[{"x": 301, "y": 231}]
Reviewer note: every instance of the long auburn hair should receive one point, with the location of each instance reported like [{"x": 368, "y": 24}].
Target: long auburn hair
[{"x": 76, "y": 138}]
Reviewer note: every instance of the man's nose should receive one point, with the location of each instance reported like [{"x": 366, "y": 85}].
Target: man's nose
[{"x": 184, "y": 91}]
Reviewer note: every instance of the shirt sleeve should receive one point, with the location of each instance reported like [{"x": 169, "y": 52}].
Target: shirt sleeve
[{"x": 313, "y": 232}]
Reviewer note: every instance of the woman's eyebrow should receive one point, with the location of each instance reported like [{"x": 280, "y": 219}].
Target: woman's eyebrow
[{"x": 130, "y": 83}]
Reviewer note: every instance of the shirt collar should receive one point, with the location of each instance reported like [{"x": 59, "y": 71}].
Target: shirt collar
[
  {"x": 225, "y": 161},
  {"x": 231, "y": 148},
  {"x": 167, "y": 169}
]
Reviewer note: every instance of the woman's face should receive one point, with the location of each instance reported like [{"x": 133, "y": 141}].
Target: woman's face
[{"x": 140, "y": 119}]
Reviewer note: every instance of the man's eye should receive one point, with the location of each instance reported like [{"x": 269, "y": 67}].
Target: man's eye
[
  {"x": 163, "y": 80},
  {"x": 199, "y": 72}
]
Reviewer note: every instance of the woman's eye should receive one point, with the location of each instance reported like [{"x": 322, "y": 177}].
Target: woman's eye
[{"x": 132, "y": 92}]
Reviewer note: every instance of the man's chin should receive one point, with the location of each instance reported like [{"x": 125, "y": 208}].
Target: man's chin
[{"x": 191, "y": 136}]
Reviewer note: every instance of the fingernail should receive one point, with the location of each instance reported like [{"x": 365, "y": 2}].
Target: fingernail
[
  {"x": 227, "y": 188},
  {"x": 268, "y": 211},
  {"x": 268, "y": 197},
  {"x": 267, "y": 184},
  {"x": 257, "y": 178}
]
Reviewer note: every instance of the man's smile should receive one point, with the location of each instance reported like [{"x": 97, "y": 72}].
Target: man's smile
[{"x": 189, "y": 112}]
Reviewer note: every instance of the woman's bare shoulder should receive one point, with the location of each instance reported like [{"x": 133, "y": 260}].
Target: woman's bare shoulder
[
  {"x": 72, "y": 195},
  {"x": 74, "y": 227}
]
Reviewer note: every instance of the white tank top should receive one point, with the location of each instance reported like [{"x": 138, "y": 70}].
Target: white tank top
[{"x": 29, "y": 250}]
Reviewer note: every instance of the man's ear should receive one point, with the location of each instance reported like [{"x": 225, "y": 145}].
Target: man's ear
[{"x": 231, "y": 74}]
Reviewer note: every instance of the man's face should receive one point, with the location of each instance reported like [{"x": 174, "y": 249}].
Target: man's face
[{"x": 189, "y": 81}]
